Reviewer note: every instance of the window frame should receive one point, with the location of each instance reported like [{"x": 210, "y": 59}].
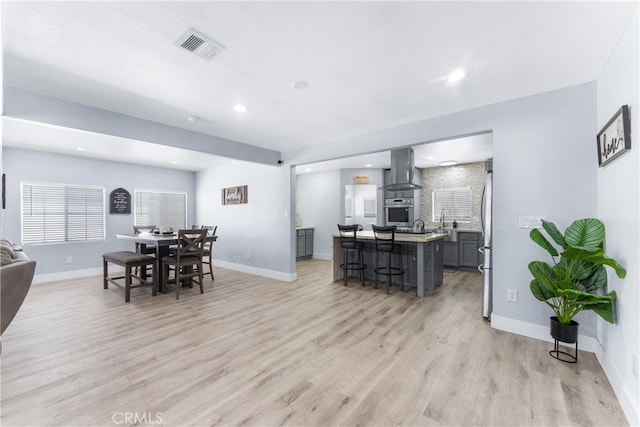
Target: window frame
[
  {"x": 149, "y": 221},
  {"x": 69, "y": 216},
  {"x": 452, "y": 213}
]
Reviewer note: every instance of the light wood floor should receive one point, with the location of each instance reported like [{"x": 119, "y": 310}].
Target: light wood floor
[{"x": 255, "y": 351}]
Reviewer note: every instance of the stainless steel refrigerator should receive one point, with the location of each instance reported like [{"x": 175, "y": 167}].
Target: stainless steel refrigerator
[{"x": 485, "y": 249}]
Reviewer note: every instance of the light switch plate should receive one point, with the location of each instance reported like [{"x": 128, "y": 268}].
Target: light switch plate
[{"x": 530, "y": 221}]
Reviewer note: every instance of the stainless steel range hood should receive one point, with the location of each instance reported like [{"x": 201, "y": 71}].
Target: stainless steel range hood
[{"x": 402, "y": 165}]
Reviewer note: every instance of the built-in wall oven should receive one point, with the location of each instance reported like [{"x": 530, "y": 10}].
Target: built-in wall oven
[{"x": 399, "y": 212}]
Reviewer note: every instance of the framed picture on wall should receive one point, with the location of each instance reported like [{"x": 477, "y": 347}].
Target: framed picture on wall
[
  {"x": 615, "y": 137},
  {"x": 235, "y": 195}
]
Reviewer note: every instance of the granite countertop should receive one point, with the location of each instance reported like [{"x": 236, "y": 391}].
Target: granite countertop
[
  {"x": 402, "y": 237},
  {"x": 305, "y": 227}
]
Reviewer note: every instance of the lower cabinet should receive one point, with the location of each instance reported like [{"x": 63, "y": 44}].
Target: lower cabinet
[
  {"x": 304, "y": 243},
  {"x": 468, "y": 245},
  {"x": 450, "y": 254}
]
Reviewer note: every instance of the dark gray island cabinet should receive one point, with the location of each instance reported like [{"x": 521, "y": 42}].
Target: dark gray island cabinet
[
  {"x": 304, "y": 243},
  {"x": 422, "y": 259}
]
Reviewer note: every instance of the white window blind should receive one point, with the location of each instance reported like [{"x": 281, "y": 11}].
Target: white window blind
[
  {"x": 348, "y": 207},
  {"x": 455, "y": 202},
  {"x": 369, "y": 207},
  {"x": 162, "y": 209},
  {"x": 53, "y": 213}
]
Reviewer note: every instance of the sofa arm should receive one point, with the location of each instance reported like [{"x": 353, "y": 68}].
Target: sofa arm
[{"x": 15, "y": 281}]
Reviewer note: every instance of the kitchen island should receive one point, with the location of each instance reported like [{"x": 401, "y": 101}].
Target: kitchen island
[{"x": 421, "y": 258}]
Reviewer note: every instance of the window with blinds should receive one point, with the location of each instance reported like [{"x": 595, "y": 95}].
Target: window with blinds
[
  {"x": 54, "y": 213},
  {"x": 455, "y": 202},
  {"x": 369, "y": 207},
  {"x": 162, "y": 209}
]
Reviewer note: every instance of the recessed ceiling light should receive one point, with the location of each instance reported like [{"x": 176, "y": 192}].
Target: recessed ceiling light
[
  {"x": 307, "y": 170},
  {"x": 240, "y": 108},
  {"x": 430, "y": 158},
  {"x": 448, "y": 163},
  {"x": 192, "y": 119},
  {"x": 456, "y": 75},
  {"x": 81, "y": 149},
  {"x": 299, "y": 84},
  {"x": 368, "y": 165},
  {"x": 174, "y": 163}
]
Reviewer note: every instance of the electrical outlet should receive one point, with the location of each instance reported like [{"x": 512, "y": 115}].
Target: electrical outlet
[
  {"x": 512, "y": 295},
  {"x": 68, "y": 260},
  {"x": 634, "y": 365}
]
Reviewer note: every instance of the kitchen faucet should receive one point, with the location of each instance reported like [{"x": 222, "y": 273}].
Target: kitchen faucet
[{"x": 442, "y": 223}]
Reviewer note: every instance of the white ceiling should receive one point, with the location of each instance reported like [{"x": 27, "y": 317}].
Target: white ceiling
[
  {"x": 468, "y": 149},
  {"x": 369, "y": 65}
]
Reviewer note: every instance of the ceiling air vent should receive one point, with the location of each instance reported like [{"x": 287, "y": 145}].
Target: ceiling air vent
[{"x": 201, "y": 45}]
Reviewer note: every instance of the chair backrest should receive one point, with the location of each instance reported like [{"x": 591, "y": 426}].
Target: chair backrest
[
  {"x": 191, "y": 242},
  {"x": 211, "y": 229},
  {"x": 385, "y": 237},
  {"x": 195, "y": 227},
  {"x": 348, "y": 234},
  {"x": 137, "y": 229}
]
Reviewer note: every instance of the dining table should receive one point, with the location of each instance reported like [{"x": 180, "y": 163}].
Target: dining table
[{"x": 161, "y": 243}]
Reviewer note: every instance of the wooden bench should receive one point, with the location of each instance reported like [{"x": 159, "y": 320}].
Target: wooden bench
[{"x": 129, "y": 260}]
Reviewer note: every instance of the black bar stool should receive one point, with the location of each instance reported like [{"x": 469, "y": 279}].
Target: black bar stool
[
  {"x": 350, "y": 244},
  {"x": 386, "y": 244}
]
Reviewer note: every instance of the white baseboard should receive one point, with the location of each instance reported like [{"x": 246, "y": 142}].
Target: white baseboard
[
  {"x": 286, "y": 277},
  {"x": 74, "y": 274},
  {"x": 538, "y": 332},
  {"x": 617, "y": 383},
  {"x": 326, "y": 257}
]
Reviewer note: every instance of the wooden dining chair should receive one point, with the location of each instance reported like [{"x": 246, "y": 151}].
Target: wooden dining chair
[
  {"x": 208, "y": 248},
  {"x": 187, "y": 261}
]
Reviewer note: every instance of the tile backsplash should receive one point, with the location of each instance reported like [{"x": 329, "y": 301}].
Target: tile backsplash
[{"x": 465, "y": 175}]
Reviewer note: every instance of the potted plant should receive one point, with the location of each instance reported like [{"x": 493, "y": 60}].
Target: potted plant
[{"x": 572, "y": 283}]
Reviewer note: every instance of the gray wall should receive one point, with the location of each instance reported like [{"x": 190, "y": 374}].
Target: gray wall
[
  {"x": 319, "y": 205},
  {"x": 619, "y": 209},
  {"x": 24, "y": 165},
  {"x": 543, "y": 146},
  {"x": 465, "y": 175},
  {"x": 256, "y": 236}
]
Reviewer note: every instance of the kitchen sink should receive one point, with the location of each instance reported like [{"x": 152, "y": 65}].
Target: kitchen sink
[{"x": 452, "y": 234}]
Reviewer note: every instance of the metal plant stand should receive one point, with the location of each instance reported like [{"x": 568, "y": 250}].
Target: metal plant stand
[{"x": 563, "y": 355}]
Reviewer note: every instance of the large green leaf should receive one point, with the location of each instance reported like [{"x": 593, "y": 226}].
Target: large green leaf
[
  {"x": 596, "y": 258},
  {"x": 585, "y": 233},
  {"x": 539, "y": 291},
  {"x": 555, "y": 234},
  {"x": 601, "y": 304},
  {"x": 545, "y": 274},
  {"x": 542, "y": 241},
  {"x": 596, "y": 280},
  {"x": 571, "y": 269},
  {"x": 605, "y": 308}
]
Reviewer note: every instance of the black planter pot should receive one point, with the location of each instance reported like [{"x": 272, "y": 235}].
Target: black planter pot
[{"x": 566, "y": 334}]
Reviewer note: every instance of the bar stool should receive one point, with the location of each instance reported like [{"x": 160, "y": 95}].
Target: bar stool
[
  {"x": 350, "y": 244},
  {"x": 385, "y": 243}
]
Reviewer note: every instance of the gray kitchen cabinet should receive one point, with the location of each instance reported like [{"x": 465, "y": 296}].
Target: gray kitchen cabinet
[
  {"x": 468, "y": 245},
  {"x": 450, "y": 254},
  {"x": 304, "y": 243}
]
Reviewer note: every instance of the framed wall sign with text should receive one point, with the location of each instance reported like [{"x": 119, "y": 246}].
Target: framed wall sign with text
[
  {"x": 615, "y": 137},
  {"x": 235, "y": 195},
  {"x": 120, "y": 201}
]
